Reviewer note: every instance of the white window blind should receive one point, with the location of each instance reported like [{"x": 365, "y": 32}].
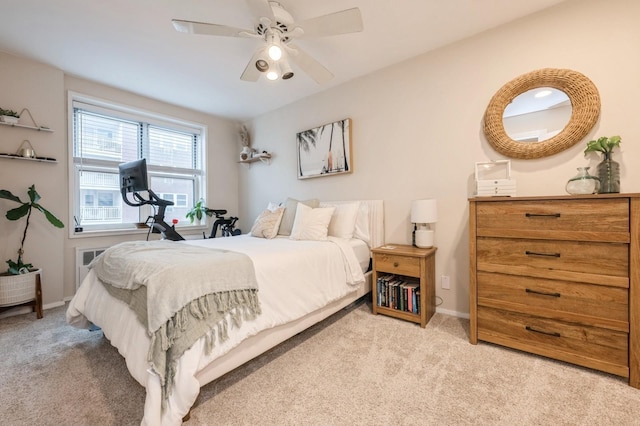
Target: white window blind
[{"x": 105, "y": 136}]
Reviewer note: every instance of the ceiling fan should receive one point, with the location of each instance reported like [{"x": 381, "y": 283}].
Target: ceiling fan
[{"x": 278, "y": 29}]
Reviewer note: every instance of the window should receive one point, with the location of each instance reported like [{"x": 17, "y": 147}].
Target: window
[{"x": 105, "y": 135}]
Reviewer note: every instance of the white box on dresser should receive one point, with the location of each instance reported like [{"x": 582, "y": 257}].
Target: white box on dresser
[{"x": 559, "y": 276}]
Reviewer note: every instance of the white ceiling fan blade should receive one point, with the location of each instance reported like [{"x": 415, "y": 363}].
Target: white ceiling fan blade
[
  {"x": 344, "y": 22},
  {"x": 251, "y": 73},
  {"x": 191, "y": 27},
  {"x": 261, "y": 9},
  {"x": 313, "y": 68}
]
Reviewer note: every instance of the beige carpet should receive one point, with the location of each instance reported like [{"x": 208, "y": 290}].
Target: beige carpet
[{"x": 352, "y": 369}]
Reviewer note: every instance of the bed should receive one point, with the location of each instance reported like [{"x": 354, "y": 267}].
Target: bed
[{"x": 300, "y": 283}]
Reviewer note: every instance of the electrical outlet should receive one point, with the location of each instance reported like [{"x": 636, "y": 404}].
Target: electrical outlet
[{"x": 444, "y": 282}]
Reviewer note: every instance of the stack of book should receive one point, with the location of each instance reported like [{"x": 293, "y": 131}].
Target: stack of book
[{"x": 397, "y": 292}]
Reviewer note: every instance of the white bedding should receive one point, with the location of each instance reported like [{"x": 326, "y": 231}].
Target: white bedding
[{"x": 322, "y": 272}]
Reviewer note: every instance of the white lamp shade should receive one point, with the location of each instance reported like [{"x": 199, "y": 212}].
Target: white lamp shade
[{"x": 424, "y": 211}]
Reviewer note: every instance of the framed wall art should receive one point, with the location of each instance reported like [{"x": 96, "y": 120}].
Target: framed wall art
[{"x": 325, "y": 150}]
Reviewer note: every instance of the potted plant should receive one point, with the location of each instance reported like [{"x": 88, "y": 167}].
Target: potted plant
[
  {"x": 18, "y": 283},
  {"x": 608, "y": 170},
  {"x": 9, "y": 116},
  {"x": 198, "y": 211}
]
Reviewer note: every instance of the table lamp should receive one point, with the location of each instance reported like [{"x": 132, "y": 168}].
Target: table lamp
[{"x": 423, "y": 213}]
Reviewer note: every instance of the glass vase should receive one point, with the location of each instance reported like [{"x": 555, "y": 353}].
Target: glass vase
[
  {"x": 583, "y": 183},
  {"x": 609, "y": 174}
]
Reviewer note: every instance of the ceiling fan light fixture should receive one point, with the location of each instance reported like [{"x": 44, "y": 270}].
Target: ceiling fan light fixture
[
  {"x": 273, "y": 73},
  {"x": 287, "y": 72},
  {"x": 274, "y": 50},
  {"x": 262, "y": 65}
]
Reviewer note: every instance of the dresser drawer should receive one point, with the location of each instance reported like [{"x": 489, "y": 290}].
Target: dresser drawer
[
  {"x": 395, "y": 264},
  {"x": 589, "y": 304},
  {"x": 574, "y": 256},
  {"x": 604, "y": 215},
  {"x": 588, "y": 346}
]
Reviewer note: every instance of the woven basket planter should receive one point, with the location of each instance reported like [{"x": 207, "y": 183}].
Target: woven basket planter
[{"x": 17, "y": 289}]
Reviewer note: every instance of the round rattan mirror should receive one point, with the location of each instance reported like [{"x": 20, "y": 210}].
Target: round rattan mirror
[{"x": 585, "y": 103}]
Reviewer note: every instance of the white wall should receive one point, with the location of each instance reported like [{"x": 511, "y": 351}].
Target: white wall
[
  {"x": 25, "y": 84},
  {"x": 43, "y": 89},
  {"x": 417, "y": 126}
]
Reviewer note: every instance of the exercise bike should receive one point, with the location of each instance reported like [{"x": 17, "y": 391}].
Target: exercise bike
[{"x": 226, "y": 225}]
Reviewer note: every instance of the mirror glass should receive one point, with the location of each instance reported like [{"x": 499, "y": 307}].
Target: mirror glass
[{"x": 537, "y": 115}]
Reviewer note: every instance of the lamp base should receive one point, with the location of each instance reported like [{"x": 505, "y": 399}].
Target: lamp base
[{"x": 423, "y": 238}]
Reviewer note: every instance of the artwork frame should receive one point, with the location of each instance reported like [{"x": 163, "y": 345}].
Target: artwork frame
[{"x": 325, "y": 150}]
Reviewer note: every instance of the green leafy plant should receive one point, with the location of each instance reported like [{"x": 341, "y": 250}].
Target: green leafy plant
[
  {"x": 9, "y": 112},
  {"x": 25, "y": 209},
  {"x": 604, "y": 145},
  {"x": 198, "y": 211}
]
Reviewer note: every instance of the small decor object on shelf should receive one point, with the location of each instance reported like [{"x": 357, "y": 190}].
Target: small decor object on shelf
[
  {"x": 583, "y": 183},
  {"x": 26, "y": 151},
  {"x": 608, "y": 170},
  {"x": 493, "y": 179},
  {"x": 245, "y": 141},
  {"x": 9, "y": 116},
  {"x": 245, "y": 154}
]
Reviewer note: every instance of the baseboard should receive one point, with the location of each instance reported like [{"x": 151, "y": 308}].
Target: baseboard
[
  {"x": 28, "y": 309},
  {"x": 452, "y": 313}
]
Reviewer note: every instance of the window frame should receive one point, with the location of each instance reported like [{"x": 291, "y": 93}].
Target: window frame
[{"x": 120, "y": 111}]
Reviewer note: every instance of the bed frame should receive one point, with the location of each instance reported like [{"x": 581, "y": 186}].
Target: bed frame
[{"x": 267, "y": 339}]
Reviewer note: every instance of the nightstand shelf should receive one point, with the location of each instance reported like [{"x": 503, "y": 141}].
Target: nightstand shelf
[{"x": 400, "y": 270}]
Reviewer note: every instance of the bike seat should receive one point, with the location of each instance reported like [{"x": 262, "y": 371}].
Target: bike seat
[{"x": 218, "y": 212}]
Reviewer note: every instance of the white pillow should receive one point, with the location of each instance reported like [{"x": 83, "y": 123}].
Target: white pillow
[
  {"x": 311, "y": 224},
  {"x": 343, "y": 221},
  {"x": 267, "y": 223},
  {"x": 361, "y": 229},
  {"x": 290, "y": 214}
]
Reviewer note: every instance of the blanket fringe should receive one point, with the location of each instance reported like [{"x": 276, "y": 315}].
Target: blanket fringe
[{"x": 241, "y": 305}]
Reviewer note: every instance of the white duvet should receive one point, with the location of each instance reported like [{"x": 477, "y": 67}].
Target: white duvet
[{"x": 294, "y": 279}]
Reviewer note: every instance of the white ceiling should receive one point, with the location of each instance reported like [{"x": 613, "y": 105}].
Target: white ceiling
[{"x": 131, "y": 44}]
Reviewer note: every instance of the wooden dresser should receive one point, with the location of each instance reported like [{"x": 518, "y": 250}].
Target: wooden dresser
[{"x": 559, "y": 277}]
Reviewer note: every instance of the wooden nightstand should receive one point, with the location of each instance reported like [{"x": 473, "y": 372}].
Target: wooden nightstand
[{"x": 402, "y": 276}]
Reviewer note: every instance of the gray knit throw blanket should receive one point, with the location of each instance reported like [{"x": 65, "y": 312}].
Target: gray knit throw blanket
[{"x": 180, "y": 293}]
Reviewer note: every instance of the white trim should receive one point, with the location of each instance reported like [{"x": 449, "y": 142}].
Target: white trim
[{"x": 452, "y": 313}]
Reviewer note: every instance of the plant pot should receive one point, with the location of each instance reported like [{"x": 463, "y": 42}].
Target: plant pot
[
  {"x": 609, "y": 174},
  {"x": 9, "y": 119},
  {"x": 18, "y": 289}
]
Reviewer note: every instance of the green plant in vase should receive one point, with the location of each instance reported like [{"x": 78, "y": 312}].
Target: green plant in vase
[
  {"x": 608, "y": 170},
  {"x": 18, "y": 266},
  {"x": 198, "y": 211}
]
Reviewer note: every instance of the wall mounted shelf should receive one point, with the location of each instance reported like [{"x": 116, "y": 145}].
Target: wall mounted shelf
[
  {"x": 24, "y": 126},
  {"x": 264, "y": 157},
  {"x": 27, "y": 126},
  {"x": 18, "y": 157}
]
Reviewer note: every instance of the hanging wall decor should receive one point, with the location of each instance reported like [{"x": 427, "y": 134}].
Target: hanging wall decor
[{"x": 325, "y": 150}]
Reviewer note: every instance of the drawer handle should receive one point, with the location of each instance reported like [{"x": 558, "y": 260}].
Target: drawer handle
[
  {"x": 533, "y": 253},
  {"x": 395, "y": 264},
  {"x": 542, "y": 215},
  {"x": 542, "y": 293},
  {"x": 548, "y": 333}
]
